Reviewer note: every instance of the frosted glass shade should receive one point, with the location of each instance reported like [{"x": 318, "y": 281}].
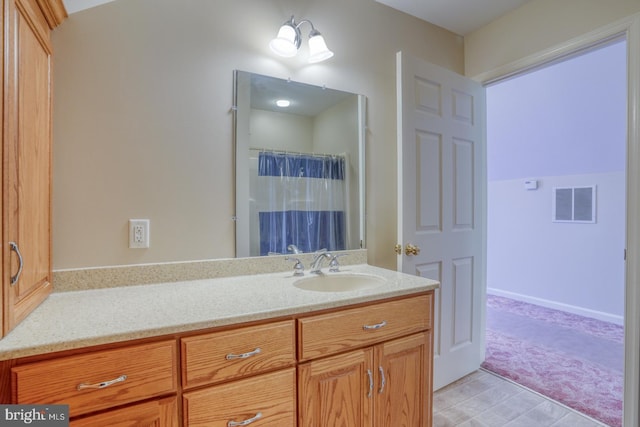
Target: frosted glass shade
[
  {"x": 318, "y": 50},
  {"x": 285, "y": 42}
]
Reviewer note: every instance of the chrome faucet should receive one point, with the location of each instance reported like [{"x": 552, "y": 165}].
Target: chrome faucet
[
  {"x": 293, "y": 249},
  {"x": 316, "y": 264},
  {"x": 298, "y": 268}
]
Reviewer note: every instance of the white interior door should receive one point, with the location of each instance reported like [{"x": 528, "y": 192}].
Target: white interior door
[{"x": 441, "y": 164}]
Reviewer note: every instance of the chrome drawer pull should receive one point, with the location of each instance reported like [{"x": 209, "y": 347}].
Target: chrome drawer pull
[
  {"x": 14, "y": 247},
  {"x": 383, "y": 381},
  {"x": 103, "y": 384},
  {"x": 245, "y": 422},
  {"x": 370, "y": 382},
  {"x": 376, "y": 326},
  {"x": 243, "y": 355}
]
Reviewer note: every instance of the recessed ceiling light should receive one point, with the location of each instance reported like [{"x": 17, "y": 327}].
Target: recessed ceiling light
[{"x": 283, "y": 103}]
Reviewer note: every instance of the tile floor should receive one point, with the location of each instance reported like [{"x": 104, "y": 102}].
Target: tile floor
[{"x": 483, "y": 399}]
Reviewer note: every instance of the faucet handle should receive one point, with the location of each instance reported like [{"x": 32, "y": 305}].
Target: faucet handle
[
  {"x": 298, "y": 268},
  {"x": 334, "y": 266}
]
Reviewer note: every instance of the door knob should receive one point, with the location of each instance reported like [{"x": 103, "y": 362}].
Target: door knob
[
  {"x": 398, "y": 249},
  {"x": 411, "y": 250}
]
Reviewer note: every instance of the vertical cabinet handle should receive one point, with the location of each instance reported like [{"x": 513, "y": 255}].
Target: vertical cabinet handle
[
  {"x": 370, "y": 374},
  {"x": 14, "y": 247},
  {"x": 245, "y": 422},
  {"x": 383, "y": 380}
]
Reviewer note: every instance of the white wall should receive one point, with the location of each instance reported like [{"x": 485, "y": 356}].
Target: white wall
[
  {"x": 564, "y": 125},
  {"x": 570, "y": 266},
  {"x": 536, "y": 26},
  {"x": 142, "y": 122},
  {"x": 266, "y": 129}
]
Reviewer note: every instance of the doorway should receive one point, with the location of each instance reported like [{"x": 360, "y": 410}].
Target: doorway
[{"x": 560, "y": 129}]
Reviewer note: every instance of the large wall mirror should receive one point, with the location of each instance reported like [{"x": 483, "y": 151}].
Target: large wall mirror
[{"x": 299, "y": 167}]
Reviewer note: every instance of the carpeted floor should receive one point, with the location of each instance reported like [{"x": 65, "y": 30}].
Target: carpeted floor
[{"x": 575, "y": 360}]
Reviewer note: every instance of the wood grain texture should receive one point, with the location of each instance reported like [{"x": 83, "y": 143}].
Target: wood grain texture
[
  {"x": 335, "y": 391},
  {"x": 273, "y": 395},
  {"x": 157, "y": 413},
  {"x": 151, "y": 370},
  {"x": 405, "y": 400},
  {"x": 28, "y": 157},
  {"x": 204, "y": 357},
  {"x": 331, "y": 333}
]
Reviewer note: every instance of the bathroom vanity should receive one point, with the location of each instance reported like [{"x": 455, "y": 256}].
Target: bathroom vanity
[{"x": 231, "y": 352}]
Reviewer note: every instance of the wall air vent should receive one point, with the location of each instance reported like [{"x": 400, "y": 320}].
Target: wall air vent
[{"x": 574, "y": 204}]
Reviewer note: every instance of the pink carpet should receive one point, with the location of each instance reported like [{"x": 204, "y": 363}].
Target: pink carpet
[{"x": 572, "y": 359}]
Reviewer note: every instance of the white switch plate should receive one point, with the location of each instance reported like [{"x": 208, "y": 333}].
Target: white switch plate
[{"x": 138, "y": 233}]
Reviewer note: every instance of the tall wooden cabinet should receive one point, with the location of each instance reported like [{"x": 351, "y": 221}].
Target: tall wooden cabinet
[{"x": 26, "y": 155}]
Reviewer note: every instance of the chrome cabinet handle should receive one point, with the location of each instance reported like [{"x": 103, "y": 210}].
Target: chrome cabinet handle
[
  {"x": 245, "y": 422},
  {"x": 376, "y": 326},
  {"x": 383, "y": 381},
  {"x": 370, "y": 374},
  {"x": 14, "y": 247},
  {"x": 231, "y": 356},
  {"x": 103, "y": 384}
]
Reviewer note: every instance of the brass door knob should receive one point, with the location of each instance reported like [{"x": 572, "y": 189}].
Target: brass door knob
[
  {"x": 411, "y": 250},
  {"x": 398, "y": 249}
]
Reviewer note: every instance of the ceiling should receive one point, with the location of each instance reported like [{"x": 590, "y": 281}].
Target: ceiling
[
  {"x": 459, "y": 16},
  {"x": 73, "y": 6}
]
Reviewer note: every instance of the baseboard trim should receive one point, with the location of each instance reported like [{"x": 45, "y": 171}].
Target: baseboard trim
[{"x": 581, "y": 311}]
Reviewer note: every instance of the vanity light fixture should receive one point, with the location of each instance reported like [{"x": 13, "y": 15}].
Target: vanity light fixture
[{"x": 289, "y": 39}]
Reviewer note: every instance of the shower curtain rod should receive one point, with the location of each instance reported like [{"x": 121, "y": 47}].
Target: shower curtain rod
[{"x": 297, "y": 153}]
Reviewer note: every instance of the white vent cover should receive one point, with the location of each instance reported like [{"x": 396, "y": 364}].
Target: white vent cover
[{"x": 574, "y": 204}]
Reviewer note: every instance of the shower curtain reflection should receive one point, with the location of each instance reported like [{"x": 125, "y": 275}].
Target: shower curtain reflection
[{"x": 300, "y": 201}]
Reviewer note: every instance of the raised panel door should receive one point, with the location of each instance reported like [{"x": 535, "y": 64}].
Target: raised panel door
[
  {"x": 337, "y": 391},
  {"x": 403, "y": 382},
  {"x": 27, "y": 150}
]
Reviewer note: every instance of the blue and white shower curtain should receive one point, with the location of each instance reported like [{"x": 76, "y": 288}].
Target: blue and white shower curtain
[{"x": 301, "y": 202}]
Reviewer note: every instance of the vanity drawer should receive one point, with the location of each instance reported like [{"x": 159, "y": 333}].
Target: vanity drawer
[
  {"x": 269, "y": 399},
  {"x": 220, "y": 356},
  {"x": 161, "y": 413},
  {"x": 331, "y": 333},
  {"x": 150, "y": 371}
]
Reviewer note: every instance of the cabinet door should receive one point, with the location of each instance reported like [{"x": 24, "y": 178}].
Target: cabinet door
[
  {"x": 157, "y": 413},
  {"x": 403, "y": 382},
  {"x": 337, "y": 391},
  {"x": 27, "y": 154}
]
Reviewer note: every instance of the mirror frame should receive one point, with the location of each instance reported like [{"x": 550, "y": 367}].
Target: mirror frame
[{"x": 241, "y": 160}]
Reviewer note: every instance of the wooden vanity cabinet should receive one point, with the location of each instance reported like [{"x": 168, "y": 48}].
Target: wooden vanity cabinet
[
  {"x": 362, "y": 366},
  {"x": 248, "y": 376},
  {"x": 156, "y": 413},
  {"x": 103, "y": 380},
  {"x": 385, "y": 384},
  {"x": 26, "y": 155}
]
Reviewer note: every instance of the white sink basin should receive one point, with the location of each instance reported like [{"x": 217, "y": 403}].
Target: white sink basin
[{"x": 339, "y": 282}]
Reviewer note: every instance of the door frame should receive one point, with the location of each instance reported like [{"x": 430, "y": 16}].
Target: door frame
[{"x": 628, "y": 28}]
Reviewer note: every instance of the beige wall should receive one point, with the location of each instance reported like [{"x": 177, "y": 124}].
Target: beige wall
[
  {"x": 537, "y": 26},
  {"x": 142, "y": 123}
]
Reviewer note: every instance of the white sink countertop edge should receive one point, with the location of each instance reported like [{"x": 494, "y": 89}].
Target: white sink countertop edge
[{"x": 69, "y": 320}]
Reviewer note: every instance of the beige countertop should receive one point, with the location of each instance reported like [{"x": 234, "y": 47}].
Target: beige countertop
[{"x": 76, "y": 319}]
